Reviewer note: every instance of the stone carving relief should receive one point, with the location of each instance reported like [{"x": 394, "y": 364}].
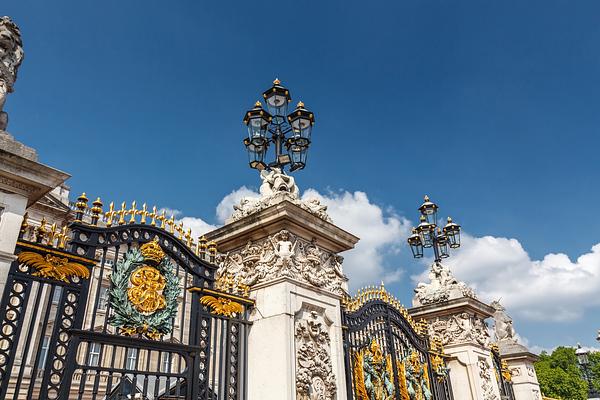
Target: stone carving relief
[
  {"x": 315, "y": 379},
  {"x": 11, "y": 56},
  {"x": 460, "y": 328},
  {"x": 487, "y": 386},
  {"x": 443, "y": 286},
  {"x": 503, "y": 327},
  {"x": 276, "y": 187},
  {"x": 516, "y": 371},
  {"x": 284, "y": 254}
]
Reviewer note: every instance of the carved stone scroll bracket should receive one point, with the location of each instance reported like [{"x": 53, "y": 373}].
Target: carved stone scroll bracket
[{"x": 314, "y": 371}]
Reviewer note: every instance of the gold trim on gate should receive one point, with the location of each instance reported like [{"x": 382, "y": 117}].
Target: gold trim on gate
[
  {"x": 221, "y": 305},
  {"x": 52, "y": 267}
]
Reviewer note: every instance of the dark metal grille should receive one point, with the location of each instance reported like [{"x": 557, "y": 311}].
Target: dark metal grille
[{"x": 56, "y": 341}]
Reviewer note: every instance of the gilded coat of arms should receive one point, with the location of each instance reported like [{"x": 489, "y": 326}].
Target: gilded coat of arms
[{"x": 144, "y": 292}]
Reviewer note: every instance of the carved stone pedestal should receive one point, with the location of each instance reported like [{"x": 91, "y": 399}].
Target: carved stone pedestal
[
  {"x": 460, "y": 325},
  {"x": 288, "y": 255},
  {"x": 520, "y": 364}
]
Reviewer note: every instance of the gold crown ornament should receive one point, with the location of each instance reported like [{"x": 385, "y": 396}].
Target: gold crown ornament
[{"x": 152, "y": 252}]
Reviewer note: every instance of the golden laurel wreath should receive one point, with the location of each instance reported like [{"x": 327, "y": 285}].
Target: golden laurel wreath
[{"x": 144, "y": 292}]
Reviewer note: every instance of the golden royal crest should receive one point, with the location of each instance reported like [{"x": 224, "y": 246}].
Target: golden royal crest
[{"x": 146, "y": 291}]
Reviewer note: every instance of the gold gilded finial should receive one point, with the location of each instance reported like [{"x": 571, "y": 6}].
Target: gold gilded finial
[
  {"x": 257, "y": 104},
  {"x": 152, "y": 252},
  {"x": 300, "y": 104},
  {"x": 276, "y": 82},
  {"x": 426, "y": 198}
]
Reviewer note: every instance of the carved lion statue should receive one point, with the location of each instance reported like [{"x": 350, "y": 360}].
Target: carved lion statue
[{"x": 11, "y": 57}]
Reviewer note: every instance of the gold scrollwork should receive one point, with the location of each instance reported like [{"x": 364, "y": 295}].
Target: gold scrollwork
[
  {"x": 53, "y": 267},
  {"x": 222, "y": 306}
]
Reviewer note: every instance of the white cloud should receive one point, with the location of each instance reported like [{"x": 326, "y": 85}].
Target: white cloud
[
  {"x": 554, "y": 288},
  {"x": 381, "y": 234},
  {"x": 225, "y": 207},
  {"x": 198, "y": 226}
]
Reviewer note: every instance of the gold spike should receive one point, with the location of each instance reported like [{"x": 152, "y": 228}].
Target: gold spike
[
  {"x": 153, "y": 216},
  {"x": 121, "y": 213},
  {"x": 41, "y": 230},
  {"x": 110, "y": 214},
  {"x": 143, "y": 213},
  {"x": 163, "y": 219},
  {"x": 132, "y": 212},
  {"x": 24, "y": 224},
  {"x": 188, "y": 238},
  {"x": 62, "y": 243},
  {"x": 171, "y": 224},
  {"x": 52, "y": 235}
]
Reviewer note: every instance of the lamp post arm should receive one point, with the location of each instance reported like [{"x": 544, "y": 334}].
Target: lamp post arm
[{"x": 436, "y": 250}]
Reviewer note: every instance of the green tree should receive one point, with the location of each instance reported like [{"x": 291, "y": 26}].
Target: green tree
[
  {"x": 595, "y": 369},
  {"x": 559, "y": 375}
]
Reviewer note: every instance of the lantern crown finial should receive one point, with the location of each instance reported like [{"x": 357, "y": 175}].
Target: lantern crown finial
[{"x": 276, "y": 81}]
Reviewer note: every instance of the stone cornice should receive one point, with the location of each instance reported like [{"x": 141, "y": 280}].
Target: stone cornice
[
  {"x": 284, "y": 215},
  {"x": 463, "y": 304},
  {"x": 27, "y": 177}
]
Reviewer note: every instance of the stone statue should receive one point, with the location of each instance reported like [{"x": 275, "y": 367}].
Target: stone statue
[
  {"x": 11, "y": 56},
  {"x": 275, "y": 181},
  {"x": 276, "y": 187},
  {"x": 503, "y": 323},
  {"x": 442, "y": 286}
]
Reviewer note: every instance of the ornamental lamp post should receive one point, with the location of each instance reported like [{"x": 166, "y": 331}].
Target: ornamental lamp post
[
  {"x": 427, "y": 234},
  {"x": 584, "y": 361},
  {"x": 290, "y": 150}
]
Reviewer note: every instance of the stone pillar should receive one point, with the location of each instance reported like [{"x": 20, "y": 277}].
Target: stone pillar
[
  {"x": 23, "y": 181},
  {"x": 517, "y": 357},
  {"x": 520, "y": 364},
  {"x": 460, "y": 325},
  {"x": 287, "y": 250}
]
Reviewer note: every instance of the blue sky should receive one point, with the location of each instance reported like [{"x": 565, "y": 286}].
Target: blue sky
[{"x": 491, "y": 108}]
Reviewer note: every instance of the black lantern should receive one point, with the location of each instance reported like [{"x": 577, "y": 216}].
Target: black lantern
[
  {"x": 257, "y": 120},
  {"x": 582, "y": 355},
  {"x": 415, "y": 243},
  {"x": 288, "y": 135},
  {"x": 442, "y": 243},
  {"x": 429, "y": 210},
  {"x": 297, "y": 152},
  {"x": 452, "y": 231},
  {"x": 277, "y": 99},
  {"x": 301, "y": 120},
  {"x": 256, "y": 154},
  {"x": 425, "y": 232}
]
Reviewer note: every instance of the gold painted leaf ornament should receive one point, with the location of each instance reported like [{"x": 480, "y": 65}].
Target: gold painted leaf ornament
[
  {"x": 144, "y": 293},
  {"x": 222, "y": 306},
  {"x": 53, "y": 267}
]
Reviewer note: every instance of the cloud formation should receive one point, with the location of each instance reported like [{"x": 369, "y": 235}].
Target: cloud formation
[
  {"x": 554, "y": 288},
  {"x": 381, "y": 233}
]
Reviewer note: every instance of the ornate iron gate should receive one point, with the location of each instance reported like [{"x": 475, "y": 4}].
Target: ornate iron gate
[
  {"x": 388, "y": 355},
  {"x": 130, "y": 310},
  {"x": 503, "y": 375}
]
